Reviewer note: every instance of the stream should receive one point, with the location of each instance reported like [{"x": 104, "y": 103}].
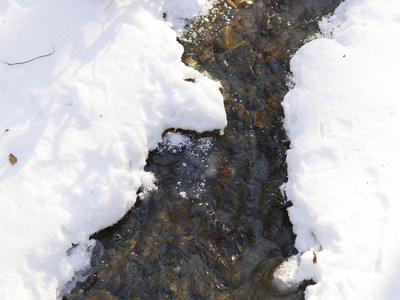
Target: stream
[{"x": 217, "y": 227}]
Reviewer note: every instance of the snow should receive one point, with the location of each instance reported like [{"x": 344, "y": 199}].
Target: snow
[
  {"x": 178, "y": 12},
  {"x": 342, "y": 117},
  {"x": 101, "y": 83}
]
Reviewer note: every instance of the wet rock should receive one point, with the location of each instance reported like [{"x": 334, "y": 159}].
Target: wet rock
[
  {"x": 228, "y": 39},
  {"x": 262, "y": 277},
  {"x": 262, "y": 118},
  {"x": 226, "y": 170},
  {"x": 100, "y": 295}
]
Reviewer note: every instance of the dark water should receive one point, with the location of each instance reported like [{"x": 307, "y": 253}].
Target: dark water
[{"x": 217, "y": 226}]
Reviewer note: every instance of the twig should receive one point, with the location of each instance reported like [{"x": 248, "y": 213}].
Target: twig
[
  {"x": 27, "y": 61},
  {"x": 108, "y": 5}
]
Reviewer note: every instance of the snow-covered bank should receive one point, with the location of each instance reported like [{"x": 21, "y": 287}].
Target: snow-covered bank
[
  {"x": 101, "y": 82},
  {"x": 343, "y": 121}
]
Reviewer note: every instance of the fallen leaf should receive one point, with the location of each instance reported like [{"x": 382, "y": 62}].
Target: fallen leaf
[
  {"x": 13, "y": 160},
  {"x": 190, "y": 62}
]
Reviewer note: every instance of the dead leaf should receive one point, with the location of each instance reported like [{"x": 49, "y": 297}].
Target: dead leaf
[
  {"x": 13, "y": 160},
  {"x": 190, "y": 62}
]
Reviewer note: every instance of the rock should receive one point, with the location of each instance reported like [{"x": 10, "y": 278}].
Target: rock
[{"x": 228, "y": 38}]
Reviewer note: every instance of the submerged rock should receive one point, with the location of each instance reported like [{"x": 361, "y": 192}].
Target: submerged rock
[{"x": 217, "y": 226}]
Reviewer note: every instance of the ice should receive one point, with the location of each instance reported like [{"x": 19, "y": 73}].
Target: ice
[
  {"x": 343, "y": 122},
  {"x": 95, "y": 85}
]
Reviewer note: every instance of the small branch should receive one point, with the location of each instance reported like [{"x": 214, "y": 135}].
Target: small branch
[
  {"x": 108, "y": 6},
  {"x": 27, "y": 61}
]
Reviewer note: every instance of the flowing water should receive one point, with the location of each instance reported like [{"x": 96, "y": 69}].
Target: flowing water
[{"x": 217, "y": 226}]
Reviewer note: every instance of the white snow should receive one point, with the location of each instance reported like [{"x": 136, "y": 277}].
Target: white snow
[
  {"x": 175, "y": 141},
  {"x": 81, "y": 119},
  {"x": 179, "y": 12},
  {"x": 343, "y": 121}
]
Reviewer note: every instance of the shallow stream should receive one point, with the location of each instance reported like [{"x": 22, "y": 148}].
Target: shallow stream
[{"x": 217, "y": 226}]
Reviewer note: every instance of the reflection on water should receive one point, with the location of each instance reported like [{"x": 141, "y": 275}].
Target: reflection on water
[{"x": 217, "y": 226}]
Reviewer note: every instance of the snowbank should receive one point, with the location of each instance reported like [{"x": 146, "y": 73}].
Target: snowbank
[
  {"x": 343, "y": 121},
  {"x": 86, "y": 89}
]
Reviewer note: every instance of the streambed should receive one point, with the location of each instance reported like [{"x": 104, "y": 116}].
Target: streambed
[{"x": 217, "y": 226}]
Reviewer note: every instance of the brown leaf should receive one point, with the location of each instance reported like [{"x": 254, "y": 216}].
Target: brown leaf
[
  {"x": 190, "y": 62},
  {"x": 13, "y": 160}
]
